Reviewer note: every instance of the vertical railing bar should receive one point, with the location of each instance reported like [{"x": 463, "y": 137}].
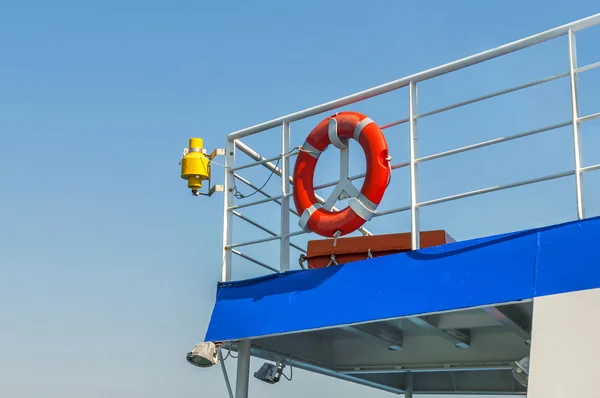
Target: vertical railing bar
[
  {"x": 228, "y": 213},
  {"x": 576, "y": 135},
  {"x": 413, "y": 141},
  {"x": 284, "y": 252}
]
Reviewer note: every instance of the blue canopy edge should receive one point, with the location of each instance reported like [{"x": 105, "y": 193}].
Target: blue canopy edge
[{"x": 502, "y": 268}]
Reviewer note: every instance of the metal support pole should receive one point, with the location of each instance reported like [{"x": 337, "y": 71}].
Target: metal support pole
[
  {"x": 284, "y": 252},
  {"x": 414, "y": 177},
  {"x": 243, "y": 369},
  {"x": 228, "y": 214},
  {"x": 408, "y": 388},
  {"x": 576, "y": 135}
]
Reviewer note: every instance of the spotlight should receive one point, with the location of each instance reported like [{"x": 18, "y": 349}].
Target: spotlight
[
  {"x": 270, "y": 373},
  {"x": 520, "y": 371},
  {"x": 203, "y": 355}
]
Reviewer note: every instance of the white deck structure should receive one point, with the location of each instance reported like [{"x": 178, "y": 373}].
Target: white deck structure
[{"x": 464, "y": 340}]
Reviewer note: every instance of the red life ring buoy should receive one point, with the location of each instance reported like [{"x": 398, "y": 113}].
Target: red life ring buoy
[{"x": 362, "y": 206}]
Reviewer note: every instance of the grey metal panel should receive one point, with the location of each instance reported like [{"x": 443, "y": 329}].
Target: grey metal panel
[
  {"x": 358, "y": 353},
  {"x": 485, "y": 347}
]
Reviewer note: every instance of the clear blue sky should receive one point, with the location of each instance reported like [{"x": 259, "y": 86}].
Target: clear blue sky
[{"x": 108, "y": 265}]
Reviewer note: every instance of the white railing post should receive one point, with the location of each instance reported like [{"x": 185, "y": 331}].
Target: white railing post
[
  {"x": 284, "y": 252},
  {"x": 576, "y": 135},
  {"x": 414, "y": 176},
  {"x": 228, "y": 214}
]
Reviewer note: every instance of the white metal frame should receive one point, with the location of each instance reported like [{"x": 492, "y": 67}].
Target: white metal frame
[{"x": 235, "y": 144}]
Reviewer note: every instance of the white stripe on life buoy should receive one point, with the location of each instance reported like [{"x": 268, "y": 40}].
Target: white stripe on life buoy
[
  {"x": 363, "y": 207},
  {"x": 333, "y": 135},
  {"x": 311, "y": 150},
  {"x": 361, "y": 125},
  {"x": 306, "y": 214}
]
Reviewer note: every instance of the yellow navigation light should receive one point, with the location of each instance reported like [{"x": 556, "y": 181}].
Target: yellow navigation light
[{"x": 195, "y": 166}]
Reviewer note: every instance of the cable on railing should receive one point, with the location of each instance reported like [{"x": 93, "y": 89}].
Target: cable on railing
[{"x": 238, "y": 195}]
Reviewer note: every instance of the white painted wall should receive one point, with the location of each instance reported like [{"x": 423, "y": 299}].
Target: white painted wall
[{"x": 565, "y": 351}]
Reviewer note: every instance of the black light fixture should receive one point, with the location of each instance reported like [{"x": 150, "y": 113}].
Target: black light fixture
[{"x": 270, "y": 373}]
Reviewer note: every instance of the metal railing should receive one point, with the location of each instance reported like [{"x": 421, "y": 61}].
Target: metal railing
[{"x": 234, "y": 144}]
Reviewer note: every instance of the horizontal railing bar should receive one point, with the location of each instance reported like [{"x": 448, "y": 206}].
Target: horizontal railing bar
[
  {"x": 492, "y": 95},
  {"x": 257, "y": 225},
  {"x": 400, "y": 165},
  {"x": 333, "y": 183},
  {"x": 494, "y": 189},
  {"x": 242, "y": 255},
  {"x": 254, "y": 242},
  {"x": 245, "y": 166},
  {"x": 245, "y": 181},
  {"x": 492, "y": 142},
  {"x": 297, "y": 247},
  {"x": 256, "y": 156},
  {"x": 358, "y": 176},
  {"x": 297, "y": 233},
  {"x": 253, "y": 154},
  {"x": 256, "y": 202},
  {"x": 392, "y": 211},
  {"x": 396, "y": 123},
  {"x": 588, "y": 67},
  {"x": 421, "y": 76},
  {"x": 590, "y": 168},
  {"x": 589, "y": 117}
]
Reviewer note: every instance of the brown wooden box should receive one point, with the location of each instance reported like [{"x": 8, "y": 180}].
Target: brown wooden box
[{"x": 355, "y": 248}]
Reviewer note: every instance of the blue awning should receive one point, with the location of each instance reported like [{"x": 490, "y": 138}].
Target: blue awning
[{"x": 497, "y": 269}]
